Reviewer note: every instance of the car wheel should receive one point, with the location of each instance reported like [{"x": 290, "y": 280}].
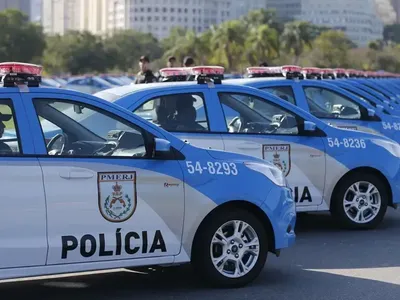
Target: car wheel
[
  {"x": 231, "y": 249},
  {"x": 360, "y": 202}
]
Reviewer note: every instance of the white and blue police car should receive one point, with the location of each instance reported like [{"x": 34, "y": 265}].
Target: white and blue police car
[
  {"x": 352, "y": 174},
  {"x": 132, "y": 196}
]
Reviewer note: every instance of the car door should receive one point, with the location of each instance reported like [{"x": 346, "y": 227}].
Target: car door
[
  {"x": 186, "y": 113},
  {"x": 23, "y": 228},
  {"x": 102, "y": 207},
  {"x": 252, "y": 132}
]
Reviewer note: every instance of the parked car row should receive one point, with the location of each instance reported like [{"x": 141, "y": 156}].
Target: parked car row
[
  {"x": 207, "y": 171},
  {"x": 88, "y": 83}
]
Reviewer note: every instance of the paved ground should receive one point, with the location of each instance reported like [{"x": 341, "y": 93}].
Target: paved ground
[{"x": 326, "y": 264}]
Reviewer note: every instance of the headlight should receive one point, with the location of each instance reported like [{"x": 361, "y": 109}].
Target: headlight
[{"x": 270, "y": 171}]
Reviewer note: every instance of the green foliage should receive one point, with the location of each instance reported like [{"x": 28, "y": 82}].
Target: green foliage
[
  {"x": 331, "y": 49},
  {"x": 235, "y": 44},
  {"x": 20, "y": 39}
]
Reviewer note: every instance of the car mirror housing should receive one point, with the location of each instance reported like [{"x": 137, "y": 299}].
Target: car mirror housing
[{"x": 309, "y": 126}]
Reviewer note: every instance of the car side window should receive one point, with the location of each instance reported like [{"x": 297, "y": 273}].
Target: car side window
[
  {"x": 324, "y": 103},
  {"x": 249, "y": 114},
  {"x": 283, "y": 92},
  {"x": 9, "y": 136},
  {"x": 177, "y": 112},
  {"x": 72, "y": 129}
]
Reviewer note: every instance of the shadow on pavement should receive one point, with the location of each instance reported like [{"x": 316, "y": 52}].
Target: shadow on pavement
[{"x": 340, "y": 261}]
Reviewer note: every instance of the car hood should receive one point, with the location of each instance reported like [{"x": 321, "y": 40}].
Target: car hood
[
  {"x": 231, "y": 156},
  {"x": 350, "y": 126}
]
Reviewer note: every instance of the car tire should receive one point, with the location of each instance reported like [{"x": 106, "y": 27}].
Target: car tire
[
  {"x": 206, "y": 249},
  {"x": 354, "y": 207}
]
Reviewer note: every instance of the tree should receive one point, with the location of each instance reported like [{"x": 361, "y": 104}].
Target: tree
[
  {"x": 331, "y": 50},
  {"x": 76, "y": 52},
  {"x": 262, "y": 44},
  {"x": 125, "y": 47},
  {"x": 192, "y": 44},
  {"x": 296, "y": 37},
  {"x": 20, "y": 40},
  {"x": 256, "y": 18},
  {"x": 227, "y": 43}
]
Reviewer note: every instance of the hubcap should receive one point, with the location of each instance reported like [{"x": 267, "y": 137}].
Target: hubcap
[
  {"x": 362, "y": 202},
  {"x": 235, "y": 249}
]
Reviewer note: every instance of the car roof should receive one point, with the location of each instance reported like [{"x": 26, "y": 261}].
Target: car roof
[
  {"x": 128, "y": 89},
  {"x": 245, "y": 81}
]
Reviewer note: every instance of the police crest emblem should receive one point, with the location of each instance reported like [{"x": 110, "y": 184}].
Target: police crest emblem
[
  {"x": 279, "y": 155},
  {"x": 117, "y": 195}
]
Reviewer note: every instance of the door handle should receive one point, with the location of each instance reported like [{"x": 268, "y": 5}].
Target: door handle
[
  {"x": 249, "y": 146},
  {"x": 77, "y": 174}
]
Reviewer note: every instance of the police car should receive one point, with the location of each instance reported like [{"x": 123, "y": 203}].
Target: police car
[
  {"x": 350, "y": 173},
  {"x": 322, "y": 99},
  {"x": 132, "y": 196},
  {"x": 364, "y": 92}
]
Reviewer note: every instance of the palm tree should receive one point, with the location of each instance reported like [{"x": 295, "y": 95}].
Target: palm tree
[
  {"x": 191, "y": 44},
  {"x": 227, "y": 42},
  {"x": 296, "y": 37},
  {"x": 262, "y": 44}
]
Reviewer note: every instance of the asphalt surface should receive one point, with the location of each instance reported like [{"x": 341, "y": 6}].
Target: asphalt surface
[{"x": 326, "y": 264}]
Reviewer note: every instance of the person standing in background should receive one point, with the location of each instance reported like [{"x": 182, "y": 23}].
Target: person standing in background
[
  {"x": 145, "y": 74},
  {"x": 171, "y": 63},
  {"x": 188, "y": 62}
]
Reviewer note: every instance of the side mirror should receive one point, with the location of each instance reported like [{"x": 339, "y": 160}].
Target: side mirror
[
  {"x": 371, "y": 112},
  {"x": 379, "y": 107},
  {"x": 163, "y": 149},
  {"x": 162, "y": 146},
  {"x": 77, "y": 109},
  {"x": 309, "y": 126}
]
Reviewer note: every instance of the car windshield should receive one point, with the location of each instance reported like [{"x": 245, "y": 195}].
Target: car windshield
[
  {"x": 85, "y": 117},
  {"x": 113, "y": 80}
]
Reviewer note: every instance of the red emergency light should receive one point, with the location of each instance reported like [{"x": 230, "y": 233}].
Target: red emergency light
[
  {"x": 355, "y": 73},
  {"x": 207, "y": 70},
  {"x": 340, "y": 73},
  {"x": 17, "y": 67},
  {"x": 312, "y": 72},
  {"x": 287, "y": 71},
  {"x": 169, "y": 72}
]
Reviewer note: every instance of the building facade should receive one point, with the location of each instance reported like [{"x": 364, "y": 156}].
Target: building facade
[
  {"x": 59, "y": 16},
  {"x": 359, "y": 19},
  {"x": 154, "y": 16},
  {"x": 160, "y": 16}
]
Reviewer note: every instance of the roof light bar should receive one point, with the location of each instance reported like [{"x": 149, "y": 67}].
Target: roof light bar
[
  {"x": 16, "y": 74},
  {"x": 208, "y": 74},
  {"x": 174, "y": 74},
  {"x": 312, "y": 73},
  {"x": 328, "y": 73},
  {"x": 288, "y": 71},
  {"x": 340, "y": 73},
  {"x": 352, "y": 73},
  {"x": 16, "y": 67},
  {"x": 207, "y": 70}
]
